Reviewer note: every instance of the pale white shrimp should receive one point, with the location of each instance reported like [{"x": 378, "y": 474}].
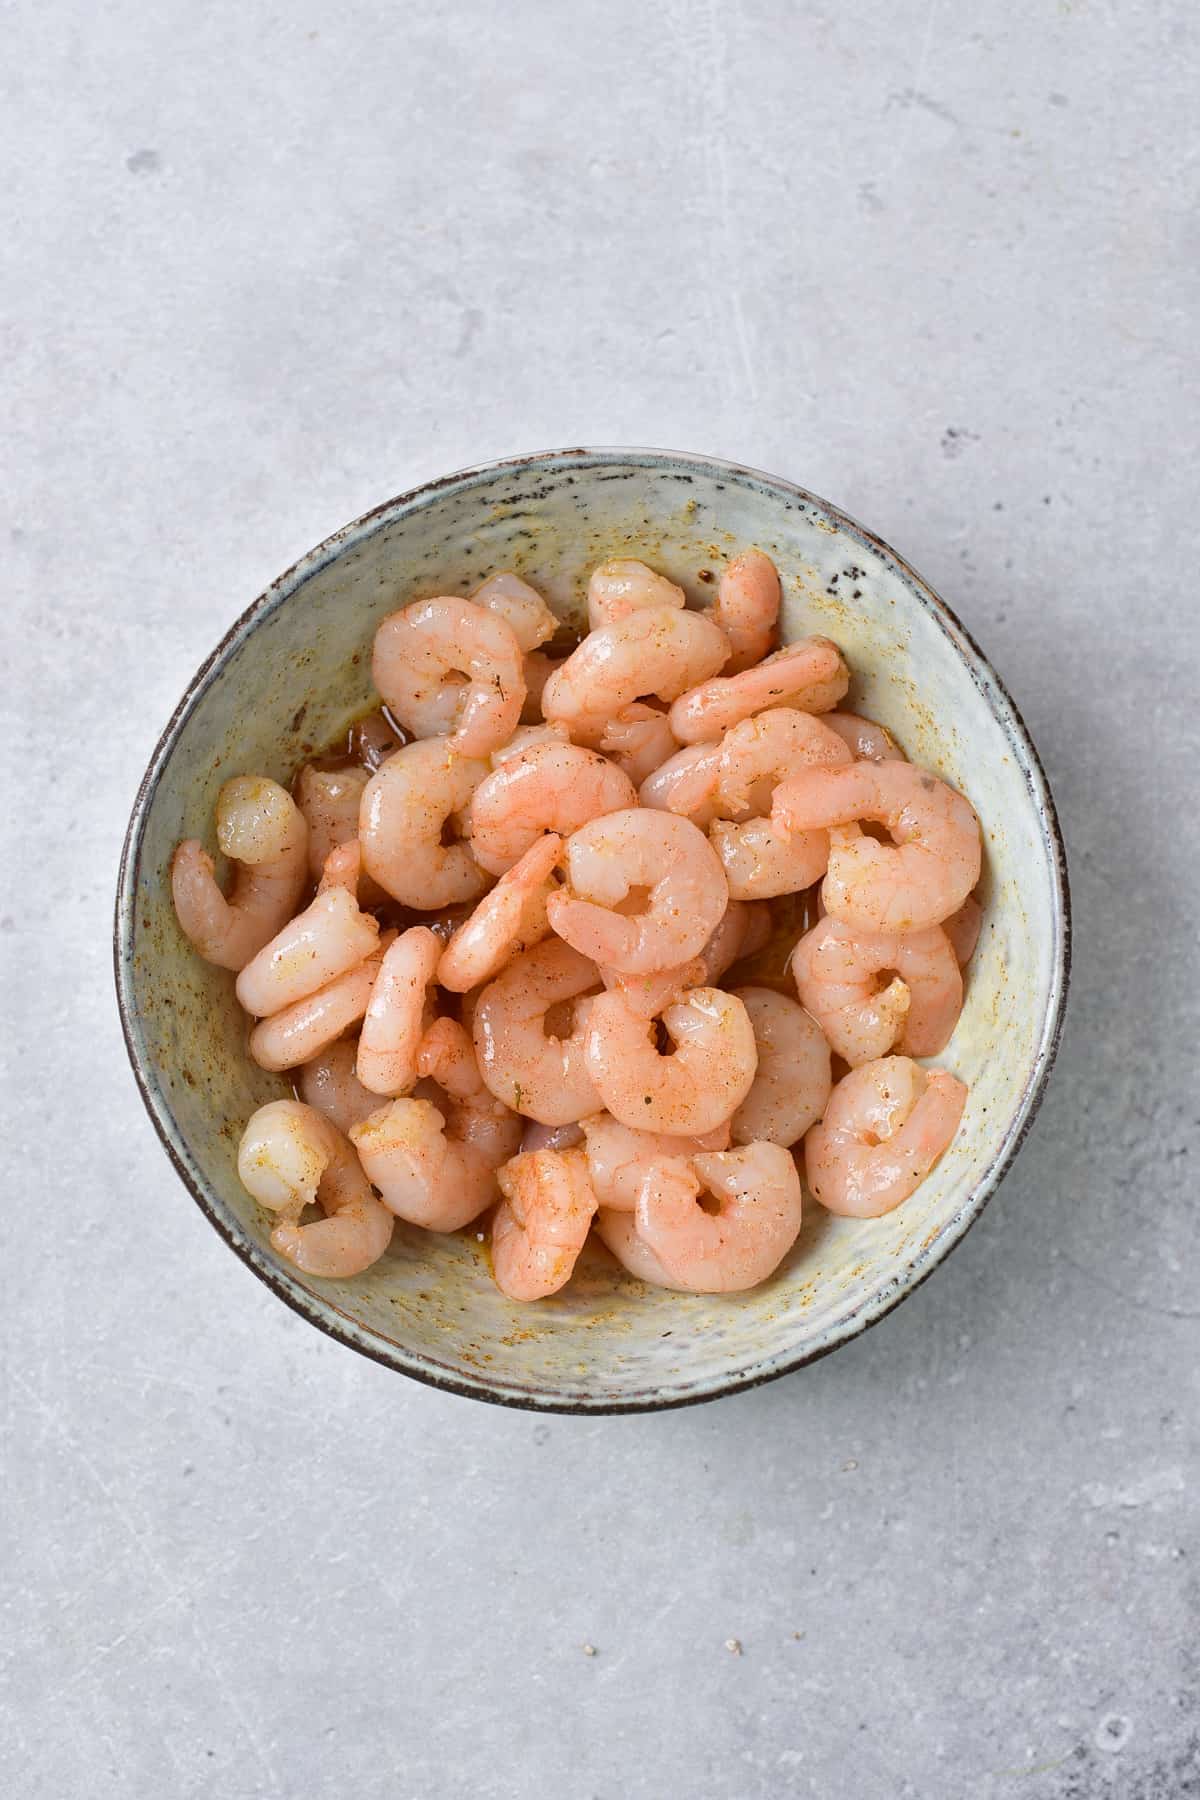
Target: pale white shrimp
[
  {"x": 793, "y": 1080},
  {"x": 538, "y": 669},
  {"x": 449, "y": 668},
  {"x": 525, "y": 1064},
  {"x": 747, "y": 607},
  {"x": 865, "y": 740},
  {"x": 884, "y": 1128},
  {"x": 551, "y": 1137},
  {"x": 962, "y": 928},
  {"x": 292, "y": 1156},
  {"x": 406, "y": 807},
  {"x": 810, "y": 675},
  {"x": 624, "y": 586},
  {"x": 618, "y": 1232},
  {"x": 520, "y": 606},
  {"x": 686, "y": 783},
  {"x": 262, "y": 832},
  {"x": 619, "y": 1159},
  {"x": 687, "y": 1093},
  {"x": 757, "y": 1220},
  {"x": 330, "y": 936},
  {"x": 301, "y": 1031},
  {"x": 870, "y": 992},
  {"x": 649, "y": 655},
  {"x": 542, "y": 1223},
  {"x": 741, "y": 929},
  {"x": 553, "y": 787},
  {"x": 914, "y": 882},
  {"x": 657, "y": 853},
  {"x": 529, "y": 737},
  {"x": 395, "y": 1018},
  {"x": 329, "y": 1084},
  {"x": 510, "y": 919},
  {"x": 330, "y": 800},
  {"x": 755, "y": 757},
  {"x": 639, "y": 740}
]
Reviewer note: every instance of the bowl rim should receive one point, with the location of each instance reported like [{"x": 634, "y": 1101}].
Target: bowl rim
[{"x": 493, "y": 1388}]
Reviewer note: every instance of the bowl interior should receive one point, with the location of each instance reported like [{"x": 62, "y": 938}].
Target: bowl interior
[{"x": 294, "y": 672}]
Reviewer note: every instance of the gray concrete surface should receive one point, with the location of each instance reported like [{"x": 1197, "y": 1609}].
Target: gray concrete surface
[{"x": 265, "y": 266}]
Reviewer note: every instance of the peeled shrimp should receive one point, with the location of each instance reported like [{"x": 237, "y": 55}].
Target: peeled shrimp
[
  {"x": 908, "y": 885},
  {"x": 291, "y": 1156},
  {"x": 686, "y": 783},
  {"x": 810, "y": 675},
  {"x": 395, "y": 1017},
  {"x": 551, "y": 1137},
  {"x": 330, "y": 1085},
  {"x": 329, "y": 937},
  {"x": 510, "y": 919},
  {"x": 659, "y": 653},
  {"x": 840, "y": 977},
  {"x": 745, "y": 1240},
  {"x": 625, "y": 586},
  {"x": 687, "y": 1093},
  {"x": 449, "y": 668},
  {"x": 329, "y": 800},
  {"x": 262, "y": 831},
  {"x": 531, "y": 1069},
  {"x": 755, "y": 757},
  {"x": 301, "y": 1031},
  {"x": 405, "y": 808},
  {"x": 620, "y": 1159},
  {"x": 962, "y": 928},
  {"x": 538, "y": 668},
  {"x": 865, "y": 740},
  {"x": 739, "y": 931},
  {"x": 542, "y": 1223},
  {"x": 529, "y": 737},
  {"x": 552, "y": 787},
  {"x": 639, "y": 740},
  {"x": 884, "y": 1128},
  {"x": 747, "y": 607},
  {"x": 793, "y": 1079},
  {"x": 619, "y": 1233},
  {"x": 520, "y": 606},
  {"x": 639, "y": 849}
]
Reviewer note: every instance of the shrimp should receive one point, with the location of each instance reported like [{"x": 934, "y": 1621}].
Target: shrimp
[
  {"x": 639, "y": 740},
  {"x": 538, "y": 669},
  {"x": 329, "y": 1084},
  {"x": 610, "y": 858},
  {"x": 329, "y": 800},
  {"x": 551, "y": 1137},
  {"x": 686, "y": 783},
  {"x": 908, "y": 885},
  {"x": 406, "y": 807},
  {"x": 740, "y": 930},
  {"x": 528, "y": 737},
  {"x": 532, "y": 1070},
  {"x": 291, "y": 1156},
  {"x": 618, "y": 1232},
  {"x": 865, "y": 740},
  {"x": 395, "y": 1017},
  {"x": 553, "y": 787},
  {"x": 811, "y": 675},
  {"x": 542, "y": 1223},
  {"x": 624, "y": 586},
  {"x": 869, "y": 992},
  {"x": 793, "y": 1080},
  {"x": 755, "y": 757},
  {"x": 745, "y": 1240},
  {"x": 685, "y": 1094},
  {"x": 448, "y": 668},
  {"x": 510, "y": 919},
  {"x": 657, "y": 654},
  {"x": 884, "y": 1128},
  {"x": 262, "y": 831},
  {"x": 520, "y": 606},
  {"x": 962, "y": 928},
  {"x": 619, "y": 1159},
  {"x": 447, "y": 1058},
  {"x": 747, "y": 607},
  {"x": 301, "y": 1031},
  {"x": 329, "y": 937}
]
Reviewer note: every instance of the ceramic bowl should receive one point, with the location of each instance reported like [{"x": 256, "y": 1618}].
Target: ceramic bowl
[{"x": 293, "y": 672}]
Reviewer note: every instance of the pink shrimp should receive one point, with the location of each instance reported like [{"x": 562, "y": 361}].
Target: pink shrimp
[
  {"x": 552, "y": 787},
  {"x": 290, "y": 1157},
  {"x": 396, "y": 1016},
  {"x": 619, "y": 1159},
  {"x": 329, "y": 937},
  {"x": 262, "y": 832},
  {"x": 885, "y": 1126},
  {"x": 684, "y": 1094},
  {"x": 740, "y": 930},
  {"x": 865, "y": 740},
  {"x": 408, "y": 806},
  {"x": 754, "y": 758},
  {"x": 330, "y": 1085},
  {"x": 793, "y": 1080},
  {"x": 657, "y": 654},
  {"x": 811, "y": 675},
  {"x": 686, "y": 783},
  {"x": 301, "y": 1031},
  {"x": 624, "y": 586},
  {"x": 870, "y": 992},
  {"x": 618, "y": 1232},
  {"x": 542, "y": 1223},
  {"x": 520, "y": 606},
  {"x": 962, "y": 928},
  {"x": 449, "y": 668},
  {"x": 747, "y": 608},
  {"x": 757, "y": 1188},
  {"x": 525, "y": 1063},
  {"x": 639, "y": 740},
  {"x": 510, "y": 919}
]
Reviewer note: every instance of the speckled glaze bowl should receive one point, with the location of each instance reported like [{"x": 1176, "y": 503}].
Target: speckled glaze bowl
[{"x": 292, "y": 673}]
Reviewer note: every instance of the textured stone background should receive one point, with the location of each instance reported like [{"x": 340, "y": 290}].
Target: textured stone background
[{"x": 266, "y": 265}]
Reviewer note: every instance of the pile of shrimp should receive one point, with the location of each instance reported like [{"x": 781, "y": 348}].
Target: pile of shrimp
[{"x": 487, "y": 945}]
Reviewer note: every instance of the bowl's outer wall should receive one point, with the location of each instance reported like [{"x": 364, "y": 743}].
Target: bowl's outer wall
[{"x": 297, "y": 669}]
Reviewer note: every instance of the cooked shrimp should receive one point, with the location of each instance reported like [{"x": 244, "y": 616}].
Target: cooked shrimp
[
  {"x": 551, "y": 1137},
  {"x": 908, "y": 885},
  {"x": 962, "y": 928},
  {"x": 637, "y": 849},
  {"x": 745, "y": 1240},
  {"x": 865, "y": 740},
  {"x": 542, "y": 1223},
  {"x": 553, "y": 787},
  {"x": 755, "y": 757},
  {"x": 624, "y": 586},
  {"x": 292, "y": 1156},
  {"x": 686, "y": 783},
  {"x": 330, "y": 936},
  {"x": 848, "y": 980},
  {"x": 510, "y": 919},
  {"x": 520, "y": 606},
  {"x": 448, "y": 668},
  {"x": 329, "y": 1084},
  {"x": 529, "y": 737},
  {"x": 618, "y": 1232},
  {"x": 656, "y": 654},
  {"x": 262, "y": 832},
  {"x": 619, "y": 1159},
  {"x": 810, "y": 675},
  {"x": 793, "y": 1079},
  {"x": 639, "y": 740},
  {"x": 329, "y": 800},
  {"x": 342, "y": 869},
  {"x": 447, "y": 1057},
  {"x": 884, "y": 1128},
  {"x": 684, "y": 1094},
  {"x": 747, "y": 607},
  {"x": 301, "y": 1031},
  {"x": 373, "y": 738},
  {"x": 530, "y": 1068},
  {"x": 406, "y": 807},
  {"x": 740, "y": 930},
  {"x": 395, "y": 1017},
  {"x": 538, "y": 669}
]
